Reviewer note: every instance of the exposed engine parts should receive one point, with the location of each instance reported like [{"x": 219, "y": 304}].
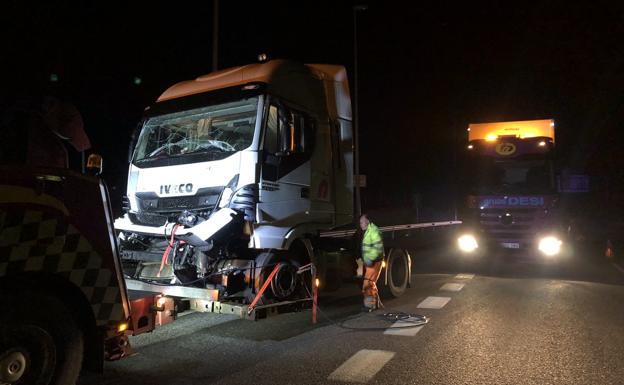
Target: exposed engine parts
[
  {"x": 227, "y": 265},
  {"x": 188, "y": 218}
]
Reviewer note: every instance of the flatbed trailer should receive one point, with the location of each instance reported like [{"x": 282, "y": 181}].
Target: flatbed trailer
[{"x": 393, "y": 281}]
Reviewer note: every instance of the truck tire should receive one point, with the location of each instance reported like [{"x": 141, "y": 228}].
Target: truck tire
[
  {"x": 286, "y": 284},
  {"x": 27, "y": 355},
  {"x": 397, "y": 272},
  {"x": 40, "y": 342}
]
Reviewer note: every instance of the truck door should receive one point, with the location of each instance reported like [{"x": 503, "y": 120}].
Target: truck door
[{"x": 286, "y": 172}]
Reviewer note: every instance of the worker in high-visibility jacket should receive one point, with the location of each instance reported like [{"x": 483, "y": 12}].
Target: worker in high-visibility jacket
[{"x": 372, "y": 255}]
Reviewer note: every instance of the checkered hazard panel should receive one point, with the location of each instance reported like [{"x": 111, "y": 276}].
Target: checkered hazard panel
[{"x": 35, "y": 241}]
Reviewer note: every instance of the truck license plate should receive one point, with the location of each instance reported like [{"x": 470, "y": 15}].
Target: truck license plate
[{"x": 511, "y": 245}]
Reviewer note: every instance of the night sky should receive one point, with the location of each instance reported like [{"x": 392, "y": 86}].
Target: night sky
[{"x": 426, "y": 72}]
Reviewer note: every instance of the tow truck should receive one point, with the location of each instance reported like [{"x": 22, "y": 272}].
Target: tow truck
[{"x": 65, "y": 303}]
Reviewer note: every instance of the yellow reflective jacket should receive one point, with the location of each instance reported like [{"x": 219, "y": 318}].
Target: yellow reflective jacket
[{"x": 372, "y": 244}]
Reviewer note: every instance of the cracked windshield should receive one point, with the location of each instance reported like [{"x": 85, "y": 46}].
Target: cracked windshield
[{"x": 216, "y": 131}]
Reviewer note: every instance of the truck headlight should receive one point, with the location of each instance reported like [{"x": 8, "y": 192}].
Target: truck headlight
[
  {"x": 550, "y": 245},
  {"x": 228, "y": 191},
  {"x": 467, "y": 243},
  {"x": 226, "y": 197}
]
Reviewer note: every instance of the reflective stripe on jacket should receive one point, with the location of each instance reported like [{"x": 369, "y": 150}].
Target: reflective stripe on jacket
[{"x": 372, "y": 244}]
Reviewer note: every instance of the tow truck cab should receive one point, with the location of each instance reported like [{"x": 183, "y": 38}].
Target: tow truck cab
[{"x": 61, "y": 282}]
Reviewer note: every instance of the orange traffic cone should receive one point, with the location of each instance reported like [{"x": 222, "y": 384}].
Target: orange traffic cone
[{"x": 609, "y": 250}]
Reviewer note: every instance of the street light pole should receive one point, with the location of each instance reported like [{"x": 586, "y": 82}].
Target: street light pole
[
  {"x": 356, "y": 120},
  {"x": 215, "y": 35}
]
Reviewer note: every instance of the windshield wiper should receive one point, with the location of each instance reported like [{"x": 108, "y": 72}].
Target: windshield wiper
[
  {"x": 225, "y": 146},
  {"x": 212, "y": 155},
  {"x": 207, "y": 150}
]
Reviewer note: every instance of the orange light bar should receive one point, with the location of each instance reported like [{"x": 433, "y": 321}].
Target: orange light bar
[{"x": 519, "y": 129}]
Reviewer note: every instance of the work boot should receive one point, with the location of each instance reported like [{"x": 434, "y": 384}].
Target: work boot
[{"x": 370, "y": 302}]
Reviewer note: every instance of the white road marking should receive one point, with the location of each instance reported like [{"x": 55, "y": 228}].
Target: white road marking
[
  {"x": 402, "y": 328},
  {"x": 362, "y": 366},
  {"x": 452, "y": 287},
  {"x": 464, "y": 276},
  {"x": 620, "y": 268},
  {"x": 434, "y": 302}
]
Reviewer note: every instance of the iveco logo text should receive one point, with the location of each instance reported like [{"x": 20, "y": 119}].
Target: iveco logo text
[
  {"x": 513, "y": 201},
  {"x": 176, "y": 188}
]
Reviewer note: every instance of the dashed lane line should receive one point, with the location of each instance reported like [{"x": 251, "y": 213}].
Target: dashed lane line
[
  {"x": 452, "y": 287},
  {"x": 362, "y": 366},
  {"x": 401, "y": 328},
  {"x": 434, "y": 302}
]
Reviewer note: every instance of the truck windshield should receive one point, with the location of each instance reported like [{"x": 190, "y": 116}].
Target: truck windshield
[
  {"x": 201, "y": 134},
  {"x": 518, "y": 176}
]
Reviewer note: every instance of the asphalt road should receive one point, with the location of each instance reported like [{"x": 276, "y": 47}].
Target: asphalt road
[{"x": 495, "y": 319}]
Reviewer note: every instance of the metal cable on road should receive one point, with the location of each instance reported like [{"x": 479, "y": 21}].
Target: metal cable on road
[{"x": 410, "y": 320}]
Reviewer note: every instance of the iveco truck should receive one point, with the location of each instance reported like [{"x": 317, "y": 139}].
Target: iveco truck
[
  {"x": 234, "y": 178},
  {"x": 512, "y": 196}
]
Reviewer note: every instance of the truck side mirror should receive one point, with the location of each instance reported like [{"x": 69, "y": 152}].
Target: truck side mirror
[{"x": 94, "y": 164}]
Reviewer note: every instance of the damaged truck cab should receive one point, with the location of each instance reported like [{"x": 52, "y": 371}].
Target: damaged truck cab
[{"x": 236, "y": 172}]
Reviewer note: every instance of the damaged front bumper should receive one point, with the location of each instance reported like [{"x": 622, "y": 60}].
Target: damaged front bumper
[{"x": 198, "y": 235}]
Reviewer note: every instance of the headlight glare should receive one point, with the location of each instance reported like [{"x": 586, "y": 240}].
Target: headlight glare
[
  {"x": 467, "y": 243},
  {"x": 550, "y": 246}
]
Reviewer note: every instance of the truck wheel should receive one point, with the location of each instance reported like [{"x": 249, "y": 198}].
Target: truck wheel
[
  {"x": 27, "y": 355},
  {"x": 398, "y": 270},
  {"x": 286, "y": 284},
  {"x": 40, "y": 342}
]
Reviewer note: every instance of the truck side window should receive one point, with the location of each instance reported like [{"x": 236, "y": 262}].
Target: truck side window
[
  {"x": 271, "y": 143},
  {"x": 299, "y": 133},
  {"x": 288, "y": 132},
  {"x": 288, "y": 141},
  {"x": 291, "y": 132},
  {"x": 286, "y": 129},
  {"x": 335, "y": 144}
]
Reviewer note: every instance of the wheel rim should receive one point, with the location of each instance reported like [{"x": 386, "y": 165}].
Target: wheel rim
[
  {"x": 285, "y": 281},
  {"x": 12, "y": 367},
  {"x": 28, "y": 355}
]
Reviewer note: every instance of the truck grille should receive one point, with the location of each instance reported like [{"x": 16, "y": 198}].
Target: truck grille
[
  {"x": 148, "y": 219},
  {"x": 516, "y": 223},
  {"x": 178, "y": 203},
  {"x": 204, "y": 199}
]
